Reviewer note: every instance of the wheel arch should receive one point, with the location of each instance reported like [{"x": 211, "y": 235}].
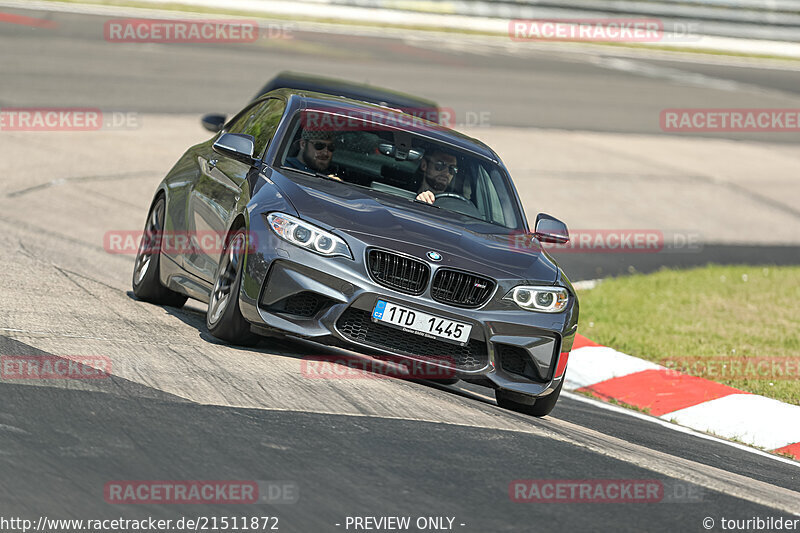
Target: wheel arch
[{"x": 239, "y": 221}]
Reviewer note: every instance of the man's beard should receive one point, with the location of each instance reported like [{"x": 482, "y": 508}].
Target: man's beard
[
  {"x": 437, "y": 186},
  {"x": 313, "y": 163}
]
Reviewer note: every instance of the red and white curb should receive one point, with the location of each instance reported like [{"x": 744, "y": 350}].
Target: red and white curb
[{"x": 690, "y": 401}]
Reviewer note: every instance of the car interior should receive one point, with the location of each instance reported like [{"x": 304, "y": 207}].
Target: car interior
[{"x": 388, "y": 161}]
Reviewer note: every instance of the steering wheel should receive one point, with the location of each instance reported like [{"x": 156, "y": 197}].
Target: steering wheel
[
  {"x": 456, "y": 202},
  {"x": 451, "y": 195}
]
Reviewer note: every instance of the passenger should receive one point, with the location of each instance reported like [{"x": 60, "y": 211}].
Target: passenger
[
  {"x": 316, "y": 150},
  {"x": 438, "y": 169}
]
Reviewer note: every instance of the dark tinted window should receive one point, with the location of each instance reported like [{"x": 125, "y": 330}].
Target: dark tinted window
[
  {"x": 260, "y": 121},
  {"x": 238, "y": 123},
  {"x": 371, "y": 152}
]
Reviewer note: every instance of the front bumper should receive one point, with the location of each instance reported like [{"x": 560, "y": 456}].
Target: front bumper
[{"x": 330, "y": 300}]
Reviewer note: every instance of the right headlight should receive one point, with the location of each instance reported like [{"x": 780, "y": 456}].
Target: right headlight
[
  {"x": 542, "y": 299},
  {"x": 308, "y": 236}
]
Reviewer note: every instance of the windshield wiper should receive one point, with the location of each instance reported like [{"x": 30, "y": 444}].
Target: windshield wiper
[{"x": 309, "y": 173}]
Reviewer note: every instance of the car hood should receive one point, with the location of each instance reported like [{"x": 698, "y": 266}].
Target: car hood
[{"x": 397, "y": 224}]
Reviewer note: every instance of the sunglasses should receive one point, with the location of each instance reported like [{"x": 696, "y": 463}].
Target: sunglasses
[
  {"x": 319, "y": 145},
  {"x": 441, "y": 165}
]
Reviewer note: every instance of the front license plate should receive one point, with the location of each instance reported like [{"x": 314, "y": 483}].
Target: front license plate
[{"x": 419, "y": 323}]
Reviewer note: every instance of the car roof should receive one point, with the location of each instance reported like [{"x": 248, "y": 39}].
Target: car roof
[
  {"x": 298, "y": 100},
  {"x": 356, "y": 91}
]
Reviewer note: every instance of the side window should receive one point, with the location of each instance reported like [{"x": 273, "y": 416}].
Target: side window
[
  {"x": 265, "y": 122},
  {"x": 238, "y": 123},
  {"x": 491, "y": 202},
  {"x": 506, "y": 213},
  {"x": 260, "y": 121}
]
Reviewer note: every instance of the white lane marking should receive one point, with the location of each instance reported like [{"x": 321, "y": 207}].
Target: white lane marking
[
  {"x": 12, "y": 429},
  {"x": 663, "y": 422},
  {"x": 675, "y": 427},
  {"x": 661, "y": 72},
  {"x": 683, "y": 77},
  {"x": 579, "y": 52},
  {"x": 751, "y": 418},
  {"x": 593, "y": 364}
]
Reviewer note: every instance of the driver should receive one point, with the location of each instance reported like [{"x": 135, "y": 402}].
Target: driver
[
  {"x": 438, "y": 170},
  {"x": 316, "y": 151}
]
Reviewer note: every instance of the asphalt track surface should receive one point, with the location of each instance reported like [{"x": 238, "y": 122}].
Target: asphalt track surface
[
  {"x": 180, "y": 406},
  {"x": 72, "y": 65}
]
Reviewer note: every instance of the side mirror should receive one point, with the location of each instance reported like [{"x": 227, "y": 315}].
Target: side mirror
[
  {"x": 236, "y": 146},
  {"x": 213, "y": 122},
  {"x": 550, "y": 229}
]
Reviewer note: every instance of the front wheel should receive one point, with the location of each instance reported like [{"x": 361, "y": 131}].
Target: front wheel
[
  {"x": 541, "y": 407},
  {"x": 224, "y": 318},
  {"x": 146, "y": 283}
]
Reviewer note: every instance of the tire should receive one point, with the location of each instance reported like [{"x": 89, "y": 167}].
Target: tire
[
  {"x": 541, "y": 407},
  {"x": 224, "y": 318},
  {"x": 146, "y": 283}
]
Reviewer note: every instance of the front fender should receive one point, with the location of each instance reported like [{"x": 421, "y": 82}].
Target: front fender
[{"x": 263, "y": 242}]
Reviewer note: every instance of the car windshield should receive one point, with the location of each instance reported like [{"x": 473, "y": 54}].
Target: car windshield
[{"x": 397, "y": 158}]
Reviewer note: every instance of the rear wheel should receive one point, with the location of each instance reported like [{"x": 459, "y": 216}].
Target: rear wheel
[
  {"x": 224, "y": 318},
  {"x": 146, "y": 283},
  {"x": 541, "y": 407}
]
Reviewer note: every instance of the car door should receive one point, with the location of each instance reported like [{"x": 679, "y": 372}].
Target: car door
[{"x": 221, "y": 185}]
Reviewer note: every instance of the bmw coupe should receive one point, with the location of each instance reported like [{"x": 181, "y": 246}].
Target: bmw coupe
[{"x": 360, "y": 226}]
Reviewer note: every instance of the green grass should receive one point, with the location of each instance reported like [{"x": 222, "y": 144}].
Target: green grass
[{"x": 715, "y": 315}]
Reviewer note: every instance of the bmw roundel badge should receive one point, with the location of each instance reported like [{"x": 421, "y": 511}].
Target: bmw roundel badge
[{"x": 434, "y": 256}]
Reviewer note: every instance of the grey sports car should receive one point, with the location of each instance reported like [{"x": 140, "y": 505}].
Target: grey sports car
[{"x": 359, "y": 226}]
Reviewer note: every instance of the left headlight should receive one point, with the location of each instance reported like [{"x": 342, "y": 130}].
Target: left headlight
[
  {"x": 542, "y": 299},
  {"x": 308, "y": 236}
]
